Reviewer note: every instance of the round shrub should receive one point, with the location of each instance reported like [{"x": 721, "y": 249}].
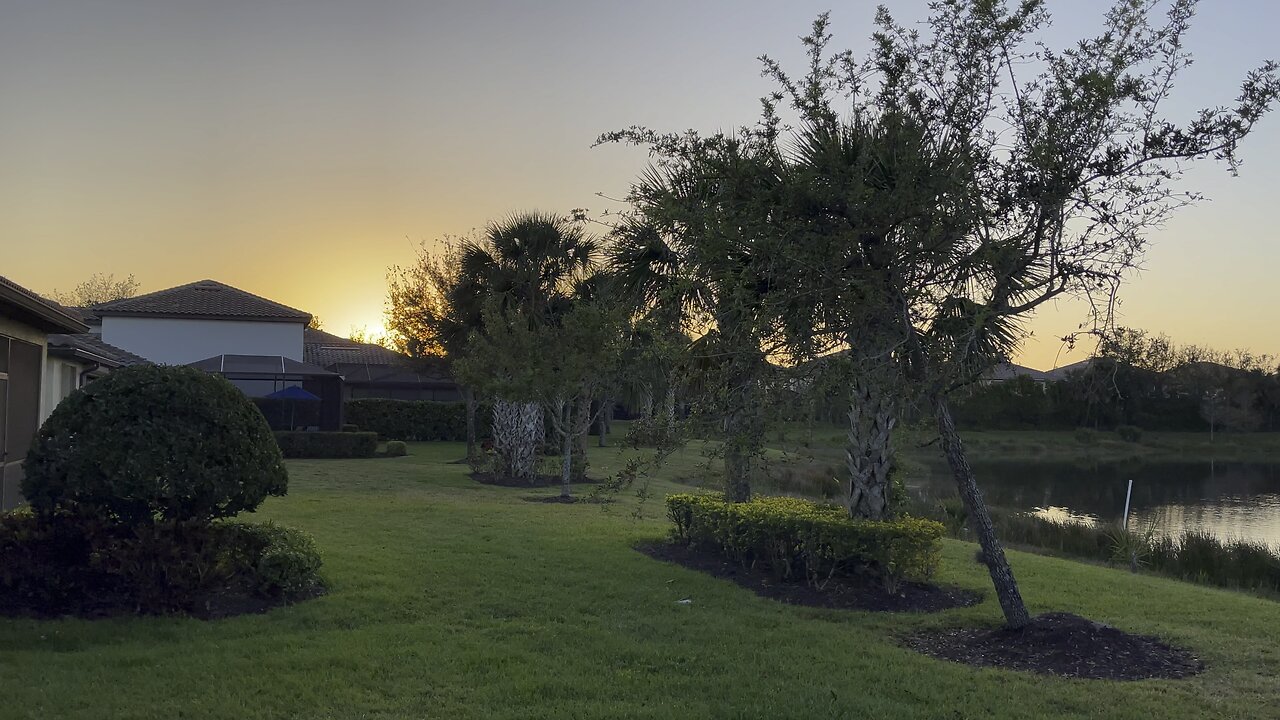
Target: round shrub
[
  {"x": 1086, "y": 436},
  {"x": 277, "y": 561},
  {"x": 397, "y": 448},
  {"x": 150, "y": 443}
]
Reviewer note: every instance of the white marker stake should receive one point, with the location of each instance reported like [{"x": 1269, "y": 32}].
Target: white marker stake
[{"x": 1128, "y": 494}]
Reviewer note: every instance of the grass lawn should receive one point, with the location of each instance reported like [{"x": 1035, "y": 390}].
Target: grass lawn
[{"x": 454, "y": 600}]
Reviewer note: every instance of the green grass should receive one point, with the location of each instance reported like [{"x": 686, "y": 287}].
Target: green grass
[{"x": 454, "y": 600}]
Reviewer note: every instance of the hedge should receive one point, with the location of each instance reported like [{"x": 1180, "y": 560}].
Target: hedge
[
  {"x": 414, "y": 419},
  {"x": 802, "y": 540},
  {"x": 299, "y": 444}
]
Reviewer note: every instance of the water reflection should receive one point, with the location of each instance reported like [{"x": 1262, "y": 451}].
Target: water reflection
[{"x": 1229, "y": 500}]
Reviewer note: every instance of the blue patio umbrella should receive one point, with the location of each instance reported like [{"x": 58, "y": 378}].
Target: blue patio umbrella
[{"x": 292, "y": 394}]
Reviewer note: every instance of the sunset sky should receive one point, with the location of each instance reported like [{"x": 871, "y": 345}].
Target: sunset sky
[{"x": 297, "y": 149}]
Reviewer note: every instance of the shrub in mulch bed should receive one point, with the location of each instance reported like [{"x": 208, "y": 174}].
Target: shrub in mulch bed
[
  {"x": 1061, "y": 644},
  {"x": 840, "y": 592},
  {"x": 537, "y": 481}
]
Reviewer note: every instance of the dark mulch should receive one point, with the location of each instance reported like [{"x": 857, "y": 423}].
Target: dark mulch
[
  {"x": 847, "y": 593},
  {"x": 216, "y": 606},
  {"x": 558, "y": 500},
  {"x": 538, "y": 481},
  {"x": 1061, "y": 644}
]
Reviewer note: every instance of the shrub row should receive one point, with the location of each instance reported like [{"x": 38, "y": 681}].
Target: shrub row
[
  {"x": 802, "y": 540},
  {"x": 327, "y": 444},
  {"x": 54, "y": 564},
  {"x": 415, "y": 419}
]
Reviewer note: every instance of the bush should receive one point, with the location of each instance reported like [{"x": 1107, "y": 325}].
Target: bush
[
  {"x": 396, "y": 448},
  {"x": 348, "y": 427},
  {"x": 798, "y": 539},
  {"x": 414, "y": 419},
  {"x": 55, "y": 564},
  {"x": 149, "y": 443},
  {"x": 328, "y": 444},
  {"x": 276, "y": 561},
  {"x": 1086, "y": 436},
  {"x": 1129, "y": 433}
]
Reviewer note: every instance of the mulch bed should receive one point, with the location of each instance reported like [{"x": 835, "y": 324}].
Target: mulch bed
[
  {"x": 538, "y": 481},
  {"x": 845, "y": 593},
  {"x": 557, "y": 500},
  {"x": 1061, "y": 644}
]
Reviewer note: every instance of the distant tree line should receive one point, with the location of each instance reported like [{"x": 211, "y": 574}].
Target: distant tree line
[{"x": 1137, "y": 379}]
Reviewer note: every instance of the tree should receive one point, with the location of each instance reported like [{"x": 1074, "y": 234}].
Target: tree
[
  {"x": 695, "y": 252},
  {"x": 1040, "y": 187},
  {"x": 562, "y": 365},
  {"x": 428, "y": 315},
  {"x": 527, "y": 265},
  {"x": 933, "y": 197},
  {"x": 315, "y": 323},
  {"x": 99, "y": 288}
]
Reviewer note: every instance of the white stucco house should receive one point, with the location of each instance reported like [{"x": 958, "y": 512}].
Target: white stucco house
[{"x": 254, "y": 342}]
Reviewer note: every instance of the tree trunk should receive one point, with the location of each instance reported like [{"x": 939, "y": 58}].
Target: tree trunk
[
  {"x": 669, "y": 406},
  {"x": 1015, "y": 610},
  {"x": 517, "y": 433},
  {"x": 646, "y": 403},
  {"x": 602, "y": 423},
  {"x": 868, "y": 452},
  {"x": 740, "y": 440},
  {"x": 470, "y": 396},
  {"x": 566, "y": 449}
]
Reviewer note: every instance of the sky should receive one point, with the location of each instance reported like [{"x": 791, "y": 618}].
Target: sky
[{"x": 297, "y": 149}]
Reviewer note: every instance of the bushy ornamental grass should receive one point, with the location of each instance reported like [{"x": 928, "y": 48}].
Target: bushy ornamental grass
[
  {"x": 1194, "y": 555},
  {"x": 801, "y": 540}
]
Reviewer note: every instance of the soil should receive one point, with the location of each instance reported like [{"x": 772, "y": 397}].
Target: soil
[
  {"x": 1061, "y": 644},
  {"x": 216, "y": 606},
  {"x": 846, "y": 593}
]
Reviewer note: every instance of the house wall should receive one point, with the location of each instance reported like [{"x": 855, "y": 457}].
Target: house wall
[
  {"x": 11, "y": 463},
  {"x": 178, "y": 341},
  {"x": 61, "y": 377}
]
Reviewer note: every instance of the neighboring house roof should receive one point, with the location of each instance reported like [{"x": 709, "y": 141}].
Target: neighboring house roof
[
  {"x": 259, "y": 366},
  {"x": 23, "y": 305},
  {"x": 1061, "y": 373},
  {"x": 206, "y": 299},
  {"x": 87, "y": 346},
  {"x": 366, "y": 362},
  {"x": 1008, "y": 371}
]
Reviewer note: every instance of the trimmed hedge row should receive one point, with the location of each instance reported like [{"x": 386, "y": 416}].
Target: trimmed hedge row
[
  {"x": 65, "y": 563},
  {"x": 798, "y": 539},
  {"x": 299, "y": 444},
  {"x": 414, "y": 419}
]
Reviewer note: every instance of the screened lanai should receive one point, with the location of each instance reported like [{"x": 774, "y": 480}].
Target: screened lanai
[{"x": 261, "y": 375}]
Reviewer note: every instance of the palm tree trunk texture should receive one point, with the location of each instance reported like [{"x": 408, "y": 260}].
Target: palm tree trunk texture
[
  {"x": 868, "y": 452},
  {"x": 517, "y": 433},
  {"x": 669, "y": 405},
  {"x": 1015, "y": 610},
  {"x": 566, "y": 448},
  {"x": 740, "y": 439}
]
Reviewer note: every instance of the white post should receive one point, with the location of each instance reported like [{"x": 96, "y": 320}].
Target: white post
[{"x": 1128, "y": 494}]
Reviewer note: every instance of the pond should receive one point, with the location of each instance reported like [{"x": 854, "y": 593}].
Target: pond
[{"x": 1231, "y": 500}]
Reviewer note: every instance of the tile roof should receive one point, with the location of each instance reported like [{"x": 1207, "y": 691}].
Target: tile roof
[
  {"x": 366, "y": 362},
  {"x": 207, "y": 299},
  {"x": 92, "y": 344},
  {"x": 37, "y": 311}
]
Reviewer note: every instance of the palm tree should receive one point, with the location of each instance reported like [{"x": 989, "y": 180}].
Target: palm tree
[{"x": 527, "y": 265}]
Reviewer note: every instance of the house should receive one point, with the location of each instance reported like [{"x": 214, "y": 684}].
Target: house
[
  {"x": 254, "y": 342},
  {"x": 1007, "y": 371},
  {"x": 73, "y": 360},
  {"x": 373, "y": 371},
  {"x": 26, "y": 321}
]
